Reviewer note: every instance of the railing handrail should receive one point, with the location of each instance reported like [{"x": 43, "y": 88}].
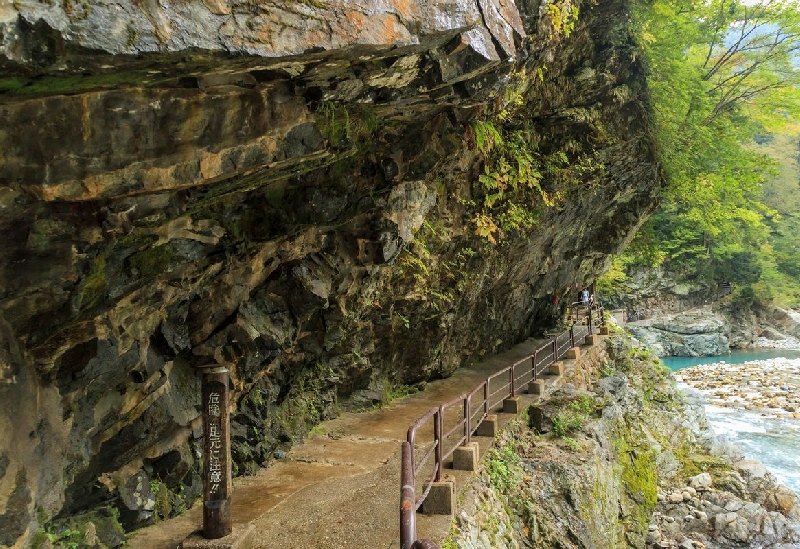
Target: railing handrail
[{"x": 408, "y": 535}]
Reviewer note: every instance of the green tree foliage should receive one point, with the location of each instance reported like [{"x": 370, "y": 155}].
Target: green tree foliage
[{"x": 720, "y": 72}]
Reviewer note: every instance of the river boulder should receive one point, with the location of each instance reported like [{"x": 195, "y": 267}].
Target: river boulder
[{"x": 700, "y": 332}]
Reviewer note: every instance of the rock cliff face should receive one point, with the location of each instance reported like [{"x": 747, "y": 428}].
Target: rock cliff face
[
  {"x": 315, "y": 194},
  {"x": 698, "y": 332},
  {"x": 682, "y": 319}
]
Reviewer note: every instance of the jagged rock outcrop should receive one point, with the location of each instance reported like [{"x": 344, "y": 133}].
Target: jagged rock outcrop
[
  {"x": 654, "y": 291},
  {"x": 699, "y": 332},
  {"x": 660, "y": 296},
  {"x": 291, "y": 189},
  {"x": 713, "y": 331}
]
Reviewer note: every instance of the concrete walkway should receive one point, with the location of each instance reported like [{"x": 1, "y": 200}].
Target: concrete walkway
[{"x": 340, "y": 489}]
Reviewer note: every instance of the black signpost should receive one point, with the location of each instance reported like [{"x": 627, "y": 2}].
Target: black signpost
[{"x": 216, "y": 453}]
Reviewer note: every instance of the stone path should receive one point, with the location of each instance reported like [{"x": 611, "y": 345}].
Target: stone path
[{"x": 340, "y": 489}]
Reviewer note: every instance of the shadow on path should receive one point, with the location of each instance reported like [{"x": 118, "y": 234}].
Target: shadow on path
[{"x": 340, "y": 489}]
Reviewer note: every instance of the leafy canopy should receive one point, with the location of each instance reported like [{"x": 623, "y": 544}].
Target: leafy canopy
[{"x": 720, "y": 73}]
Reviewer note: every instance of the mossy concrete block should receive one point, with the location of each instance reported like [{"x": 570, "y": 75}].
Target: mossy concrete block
[
  {"x": 539, "y": 420},
  {"x": 556, "y": 368},
  {"x": 465, "y": 458},
  {"x": 488, "y": 427},
  {"x": 575, "y": 352},
  {"x": 603, "y": 330},
  {"x": 242, "y": 537},
  {"x": 592, "y": 339},
  {"x": 536, "y": 387},
  {"x": 511, "y": 405},
  {"x": 440, "y": 499}
]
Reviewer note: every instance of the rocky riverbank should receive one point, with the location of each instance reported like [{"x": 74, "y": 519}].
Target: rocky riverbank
[
  {"x": 739, "y": 507},
  {"x": 711, "y": 331},
  {"x": 625, "y": 462},
  {"x": 770, "y": 386}
]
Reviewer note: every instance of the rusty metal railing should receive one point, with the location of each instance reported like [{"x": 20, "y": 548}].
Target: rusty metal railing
[{"x": 453, "y": 423}]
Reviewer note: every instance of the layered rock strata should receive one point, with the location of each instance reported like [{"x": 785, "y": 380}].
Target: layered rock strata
[
  {"x": 698, "y": 332},
  {"x": 302, "y": 191},
  {"x": 713, "y": 331}
]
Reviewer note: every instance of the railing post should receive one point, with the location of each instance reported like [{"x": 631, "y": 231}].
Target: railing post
[
  {"x": 572, "y": 336},
  {"x": 408, "y": 514},
  {"x": 486, "y": 397},
  {"x": 411, "y": 438},
  {"x": 437, "y": 436},
  {"x": 467, "y": 418},
  {"x": 513, "y": 386},
  {"x": 590, "y": 321},
  {"x": 555, "y": 349},
  {"x": 533, "y": 363}
]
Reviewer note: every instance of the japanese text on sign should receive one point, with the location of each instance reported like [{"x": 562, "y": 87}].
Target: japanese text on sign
[
  {"x": 213, "y": 404},
  {"x": 214, "y": 442}
]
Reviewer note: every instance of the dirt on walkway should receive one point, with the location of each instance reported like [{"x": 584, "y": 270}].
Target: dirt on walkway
[{"x": 339, "y": 489}]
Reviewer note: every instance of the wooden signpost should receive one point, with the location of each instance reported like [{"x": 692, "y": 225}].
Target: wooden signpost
[{"x": 216, "y": 453}]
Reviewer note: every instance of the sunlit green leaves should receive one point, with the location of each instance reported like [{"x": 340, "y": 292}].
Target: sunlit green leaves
[
  {"x": 510, "y": 184},
  {"x": 719, "y": 72}
]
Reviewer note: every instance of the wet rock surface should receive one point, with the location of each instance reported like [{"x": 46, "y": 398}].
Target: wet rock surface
[{"x": 309, "y": 221}]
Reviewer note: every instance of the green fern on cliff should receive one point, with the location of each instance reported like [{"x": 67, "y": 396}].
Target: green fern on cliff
[
  {"x": 510, "y": 186},
  {"x": 563, "y": 17}
]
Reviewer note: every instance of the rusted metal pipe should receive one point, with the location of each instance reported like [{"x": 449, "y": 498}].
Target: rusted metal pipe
[
  {"x": 467, "y": 419},
  {"x": 411, "y": 438},
  {"x": 437, "y": 436},
  {"x": 513, "y": 385},
  {"x": 408, "y": 513}
]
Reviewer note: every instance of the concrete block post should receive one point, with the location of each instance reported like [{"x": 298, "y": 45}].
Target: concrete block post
[
  {"x": 511, "y": 405},
  {"x": 536, "y": 387},
  {"x": 488, "y": 427},
  {"x": 574, "y": 353},
  {"x": 465, "y": 458},
  {"x": 441, "y": 499},
  {"x": 556, "y": 368}
]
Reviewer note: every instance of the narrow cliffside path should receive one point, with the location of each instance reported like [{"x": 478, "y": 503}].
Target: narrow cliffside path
[{"x": 339, "y": 489}]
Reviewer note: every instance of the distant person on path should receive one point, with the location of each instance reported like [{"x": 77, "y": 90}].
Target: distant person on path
[{"x": 585, "y": 297}]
